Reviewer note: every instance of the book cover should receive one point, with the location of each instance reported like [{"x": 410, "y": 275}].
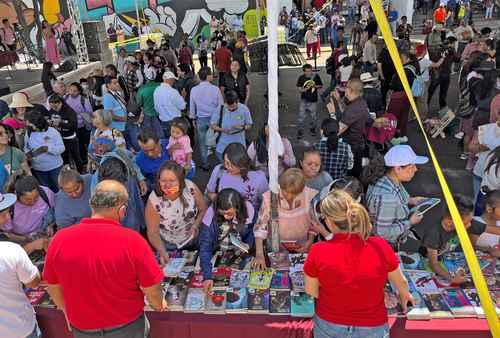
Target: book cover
[
  {"x": 221, "y": 277},
  {"x": 437, "y": 305},
  {"x": 458, "y": 302},
  {"x": 280, "y": 280},
  {"x": 236, "y": 300},
  {"x": 422, "y": 280},
  {"x": 297, "y": 259},
  {"x": 392, "y": 303},
  {"x": 297, "y": 280},
  {"x": 279, "y": 303},
  {"x": 279, "y": 260},
  {"x": 195, "y": 300},
  {"x": 174, "y": 266},
  {"x": 35, "y": 296},
  {"x": 237, "y": 242},
  {"x": 302, "y": 305},
  {"x": 260, "y": 279},
  {"x": 216, "y": 302},
  {"x": 258, "y": 300},
  {"x": 176, "y": 297},
  {"x": 473, "y": 298},
  {"x": 239, "y": 279},
  {"x": 196, "y": 281},
  {"x": 191, "y": 257}
]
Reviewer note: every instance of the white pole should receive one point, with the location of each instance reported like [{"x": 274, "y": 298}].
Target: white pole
[
  {"x": 272, "y": 80},
  {"x": 275, "y": 144},
  {"x": 138, "y": 20}
]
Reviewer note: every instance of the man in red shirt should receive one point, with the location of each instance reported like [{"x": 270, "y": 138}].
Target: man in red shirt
[
  {"x": 440, "y": 14},
  {"x": 99, "y": 271},
  {"x": 223, "y": 61}
]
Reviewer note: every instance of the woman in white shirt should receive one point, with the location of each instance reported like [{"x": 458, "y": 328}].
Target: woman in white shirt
[{"x": 44, "y": 145}]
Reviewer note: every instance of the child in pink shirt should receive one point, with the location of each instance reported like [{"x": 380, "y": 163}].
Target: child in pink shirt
[{"x": 179, "y": 144}]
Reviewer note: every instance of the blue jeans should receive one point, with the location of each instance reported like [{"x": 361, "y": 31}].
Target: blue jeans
[
  {"x": 324, "y": 329},
  {"x": 202, "y": 126},
  {"x": 48, "y": 178},
  {"x": 153, "y": 123},
  {"x": 165, "y": 126},
  {"x": 36, "y": 333},
  {"x": 131, "y": 132}
]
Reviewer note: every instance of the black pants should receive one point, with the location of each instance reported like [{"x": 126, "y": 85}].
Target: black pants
[
  {"x": 72, "y": 153},
  {"x": 443, "y": 82},
  {"x": 203, "y": 61},
  {"x": 83, "y": 135},
  {"x": 384, "y": 89}
]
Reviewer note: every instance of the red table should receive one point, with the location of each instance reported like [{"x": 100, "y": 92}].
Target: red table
[
  {"x": 8, "y": 58},
  {"x": 185, "y": 325}
]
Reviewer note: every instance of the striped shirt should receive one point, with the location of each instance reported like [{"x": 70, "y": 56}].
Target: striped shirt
[{"x": 387, "y": 204}]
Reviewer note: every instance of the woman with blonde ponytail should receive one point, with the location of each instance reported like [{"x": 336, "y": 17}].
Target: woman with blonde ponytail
[{"x": 348, "y": 273}]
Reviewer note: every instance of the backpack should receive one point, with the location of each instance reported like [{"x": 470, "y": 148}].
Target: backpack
[{"x": 417, "y": 88}]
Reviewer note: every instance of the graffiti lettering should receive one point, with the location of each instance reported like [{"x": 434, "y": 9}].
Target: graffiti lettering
[{"x": 95, "y": 4}]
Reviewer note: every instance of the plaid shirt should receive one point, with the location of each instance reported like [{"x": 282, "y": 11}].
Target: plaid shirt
[
  {"x": 132, "y": 81},
  {"x": 387, "y": 204},
  {"x": 336, "y": 163}
]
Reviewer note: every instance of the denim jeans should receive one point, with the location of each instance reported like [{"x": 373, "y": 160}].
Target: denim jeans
[
  {"x": 48, "y": 178},
  {"x": 153, "y": 123},
  {"x": 202, "y": 125},
  {"x": 131, "y": 132},
  {"x": 165, "y": 126},
  {"x": 36, "y": 332},
  {"x": 324, "y": 329}
]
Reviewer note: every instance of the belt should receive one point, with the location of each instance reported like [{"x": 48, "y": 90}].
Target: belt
[{"x": 100, "y": 332}]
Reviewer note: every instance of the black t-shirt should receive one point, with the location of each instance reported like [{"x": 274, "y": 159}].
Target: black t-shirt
[
  {"x": 388, "y": 69},
  {"x": 435, "y": 237},
  {"x": 310, "y": 95},
  {"x": 239, "y": 85},
  {"x": 355, "y": 117}
]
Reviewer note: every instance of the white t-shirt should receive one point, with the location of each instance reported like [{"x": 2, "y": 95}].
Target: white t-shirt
[
  {"x": 424, "y": 64},
  {"x": 486, "y": 239},
  {"x": 489, "y": 136},
  {"x": 17, "y": 316}
]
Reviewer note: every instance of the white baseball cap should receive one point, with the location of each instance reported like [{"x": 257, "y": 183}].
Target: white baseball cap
[
  {"x": 402, "y": 155},
  {"x": 169, "y": 75}
]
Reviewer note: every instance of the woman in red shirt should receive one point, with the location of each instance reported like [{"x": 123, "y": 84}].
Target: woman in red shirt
[{"x": 347, "y": 274}]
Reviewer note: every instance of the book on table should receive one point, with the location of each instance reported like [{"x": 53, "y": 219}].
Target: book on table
[
  {"x": 473, "y": 298},
  {"x": 437, "y": 305},
  {"x": 279, "y": 260},
  {"x": 195, "y": 300},
  {"x": 420, "y": 310},
  {"x": 236, "y": 300},
  {"x": 459, "y": 303},
  {"x": 216, "y": 302},
  {"x": 279, "y": 302},
  {"x": 422, "y": 280},
  {"x": 297, "y": 259},
  {"x": 239, "y": 279},
  {"x": 260, "y": 279},
  {"x": 258, "y": 300},
  {"x": 174, "y": 266},
  {"x": 392, "y": 303},
  {"x": 280, "y": 280},
  {"x": 176, "y": 297},
  {"x": 302, "y": 305},
  {"x": 297, "y": 280}
]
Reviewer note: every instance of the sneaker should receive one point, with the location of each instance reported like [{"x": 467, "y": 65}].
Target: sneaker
[
  {"x": 313, "y": 131},
  {"x": 403, "y": 139},
  {"x": 463, "y": 156},
  {"x": 459, "y": 135},
  {"x": 300, "y": 134}
]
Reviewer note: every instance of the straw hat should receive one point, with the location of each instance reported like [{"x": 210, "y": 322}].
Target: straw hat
[{"x": 20, "y": 100}]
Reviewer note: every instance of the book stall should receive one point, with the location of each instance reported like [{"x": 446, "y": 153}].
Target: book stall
[{"x": 272, "y": 303}]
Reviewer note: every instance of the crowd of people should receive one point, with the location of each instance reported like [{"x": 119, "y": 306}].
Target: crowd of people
[{"x": 103, "y": 172}]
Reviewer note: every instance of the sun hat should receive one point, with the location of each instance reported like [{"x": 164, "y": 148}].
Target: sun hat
[
  {"x": 20, "y": 100},
  {"x": 7, "y": 200},
  {"x": 402, "y": 155}
]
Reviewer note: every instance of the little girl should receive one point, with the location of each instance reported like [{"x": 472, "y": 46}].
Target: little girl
[{"x": 179, "y": 145}]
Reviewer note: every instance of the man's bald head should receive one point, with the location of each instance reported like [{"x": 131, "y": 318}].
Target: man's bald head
[{"x": 108, "y": 195}]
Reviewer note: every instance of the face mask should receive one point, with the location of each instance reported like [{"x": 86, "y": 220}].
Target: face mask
[{"x": 172, "y": 191}]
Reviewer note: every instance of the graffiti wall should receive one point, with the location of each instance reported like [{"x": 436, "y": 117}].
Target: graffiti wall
[
  {"x": 29, "y": 14},
  {"x": 172, "y": 17}
]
